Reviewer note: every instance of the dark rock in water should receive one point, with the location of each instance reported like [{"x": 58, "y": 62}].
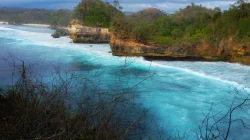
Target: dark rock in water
[
  {"x": 56, "y": 35},
  {"x": 110, "y": 52},
  {"x": 60, "y": 32}
]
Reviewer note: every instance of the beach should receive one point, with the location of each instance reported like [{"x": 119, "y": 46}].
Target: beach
[
  {"x": 37, "y": 25},
  {"x": 31, "y": 25},
  {"x": 2, "y": 22}
]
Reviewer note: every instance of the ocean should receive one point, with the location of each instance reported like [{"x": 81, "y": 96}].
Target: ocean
[{"x": 177, "y": 94}]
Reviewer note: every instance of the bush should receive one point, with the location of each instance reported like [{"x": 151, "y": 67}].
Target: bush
[
  {"x": 32, "y": 109},
  {"x": 164, "y": 40}
]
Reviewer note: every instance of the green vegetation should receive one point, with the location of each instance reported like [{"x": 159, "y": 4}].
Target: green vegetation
[
  {"x": 95, "y": 13},
  {"x": 191, "y": 24},
  {"x": 61, "y": 17},
  {"x": 36, "y": 16}
]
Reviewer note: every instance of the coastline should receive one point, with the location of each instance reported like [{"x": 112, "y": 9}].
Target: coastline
[
  {"x": 31, "y": 25},
  {"x": 37, "y": 25},
  {"x": 2, "y": 22}
]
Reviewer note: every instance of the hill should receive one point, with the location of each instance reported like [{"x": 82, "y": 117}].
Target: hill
[
  {"x": 195, "y": 32},
  {"x": 95, "y": 13},
  {"x": 193, "y": 13},
  {"x": 147, "y": 15},
  {"x": 36, "y": 16}
]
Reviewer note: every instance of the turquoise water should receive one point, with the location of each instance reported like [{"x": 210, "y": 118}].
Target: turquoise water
[{"x": 175, "y": 93}]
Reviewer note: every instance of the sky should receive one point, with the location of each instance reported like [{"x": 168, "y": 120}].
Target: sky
[{"x": 169, "y": 6}]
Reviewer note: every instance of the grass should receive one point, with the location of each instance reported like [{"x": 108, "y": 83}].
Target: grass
[{"x": 164, "y": 40}]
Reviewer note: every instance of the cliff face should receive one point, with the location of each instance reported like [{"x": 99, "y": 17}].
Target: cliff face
[
  {"x": 225, "y": 50},
  {"x": 84, "y": 34}
]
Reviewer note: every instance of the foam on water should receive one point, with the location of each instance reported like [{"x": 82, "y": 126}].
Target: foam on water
[
  {"x": 216, "y": 76},
  {"x": 44, "y": 39},
  {"x": 178, "y": 93},
  {"x": 237, "y": 85}
]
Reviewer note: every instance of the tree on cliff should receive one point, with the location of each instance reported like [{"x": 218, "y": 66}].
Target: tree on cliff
[
  {"x": 189, "y": 25},
  {"x": 95, "y": 13}
]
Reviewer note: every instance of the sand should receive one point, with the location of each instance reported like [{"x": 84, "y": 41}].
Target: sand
[
  {"x": 37, "y": 25},
  {"x": 34, "y": 25},
  {"x": 2, "y": 22}
]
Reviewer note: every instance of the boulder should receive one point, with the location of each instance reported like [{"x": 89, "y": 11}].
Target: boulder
[
  {"x": 60, "y": 32},
  {"x": 56, "y": 35}
]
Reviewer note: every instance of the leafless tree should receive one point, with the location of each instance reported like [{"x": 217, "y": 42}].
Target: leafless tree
[{"x": 212, "y": 125}]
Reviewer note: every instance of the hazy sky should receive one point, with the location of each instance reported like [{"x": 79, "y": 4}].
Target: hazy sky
[{"x": 168, "y": 6}]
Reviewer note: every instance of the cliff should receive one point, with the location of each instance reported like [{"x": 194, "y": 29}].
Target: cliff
[
  {"x": 225, "y": 50},
  {"x": 84, "y": 34},
  {"x": 192, "y": 33}
]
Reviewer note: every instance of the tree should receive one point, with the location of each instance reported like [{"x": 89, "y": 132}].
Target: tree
[
  {"x": 54, "y": 21},
  {"x": 211, "y": 127},
  {"x": 117, "y": 4},
  {"x": 177, "y": 33}
]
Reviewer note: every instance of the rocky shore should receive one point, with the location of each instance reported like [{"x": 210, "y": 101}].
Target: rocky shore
[
  {"x": 225, "y": 50},
  {"x": 84, "y": 34}
]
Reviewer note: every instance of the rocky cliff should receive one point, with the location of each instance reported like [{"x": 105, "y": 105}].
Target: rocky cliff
[
  {"x": 225, "y": 50},
  {"x": 84, "y": 34}
]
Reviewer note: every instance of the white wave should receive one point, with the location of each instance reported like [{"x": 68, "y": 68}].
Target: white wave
[
  {"x": 235, "y": 84},
  {"x": 45, "y": 39},
  {"x": 4, "y": 28}
]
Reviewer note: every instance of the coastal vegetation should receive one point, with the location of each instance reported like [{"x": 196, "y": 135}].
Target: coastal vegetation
[
  {"x": 95, "y": 13},
  {"x": 195, "y": 32},
  {"x": 192, "y": 33},
  {"x": 191, "y": 24},
  {"x": 59, "y": 17}
]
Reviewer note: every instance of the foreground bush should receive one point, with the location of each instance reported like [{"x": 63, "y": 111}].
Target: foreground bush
[{"x": 31, "y": 109}]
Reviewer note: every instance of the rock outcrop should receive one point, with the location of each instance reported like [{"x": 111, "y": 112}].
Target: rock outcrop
[
  {"x": 60, "y": 31},
  {"x": 55, "y": 35},
  {"x": 225, "y": 50},
  {"x": 84, "y": 34}
]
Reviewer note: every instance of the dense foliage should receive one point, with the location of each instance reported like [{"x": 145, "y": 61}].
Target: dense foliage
[
  {"x": 95, "y": 13},
  {"x": 37, "y": 16},
  {"x": 191, "y": 24},
  {"x": 61, "y": 17}
]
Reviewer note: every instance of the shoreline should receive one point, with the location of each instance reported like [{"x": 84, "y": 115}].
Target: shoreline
[
  {"x": 2, "y": 22},
  {"x": 30, "y": 25},
  {"x": 37, "y": 25}
]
